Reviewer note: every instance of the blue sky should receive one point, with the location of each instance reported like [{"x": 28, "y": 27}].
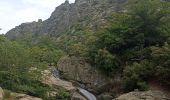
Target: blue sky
[{"x": 15, "y": 12}]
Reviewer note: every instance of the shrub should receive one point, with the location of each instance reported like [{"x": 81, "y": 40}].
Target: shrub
[
  {"x": 136, "y": 74},
  {"x": 106, "y": 61}
]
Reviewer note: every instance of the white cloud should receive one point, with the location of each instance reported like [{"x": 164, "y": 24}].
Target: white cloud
[
  {"x": 14, "y": 13},
  {"x": 43, "y": 3}
]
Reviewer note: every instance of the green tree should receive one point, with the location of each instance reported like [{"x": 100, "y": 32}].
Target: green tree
[
  {"x": 152, "y": 17},
  {"x": 136, "y": 74},
  {"x": 161, "y": 60},
  {"x": 106, "y": 62}
]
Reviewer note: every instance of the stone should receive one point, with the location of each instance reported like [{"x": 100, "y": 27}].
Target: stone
[
  {"x": 146, "y": 95},
  {"x": 26, "y": 97},
  {"x": 49, "y": 79},
  {"x": 77, "y": 69},
  {"x": 77, "y": 96},
  {"x": 16, "y": 96}
]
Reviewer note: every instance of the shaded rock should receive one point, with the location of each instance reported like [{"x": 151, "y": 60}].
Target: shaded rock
[
  {"x": 147, "y": 95},
  {"x": 77, "y": 96},
  {"x": 78, "y": 70}
]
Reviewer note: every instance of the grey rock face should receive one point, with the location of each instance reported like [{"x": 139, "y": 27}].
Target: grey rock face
[
  {"x": 66, "y": 17},
  {"x": 78, "y": 70},
  {"x": 25, "y": 29}
]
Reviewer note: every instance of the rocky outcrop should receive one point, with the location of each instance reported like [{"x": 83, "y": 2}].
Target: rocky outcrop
[
  {"x": 68, "y": 17},
  {"x": 78, "y": 70},
  {"x": 77, "y": 96},
  {"x": 8, "y": 95},
  {"x": 52, "y": 80},
  {"x": 147, "y": 95},
  {"x": 25, "y": 30},
  {"x": 24, "y": 97},
  {"x": 49, "y": 79}
]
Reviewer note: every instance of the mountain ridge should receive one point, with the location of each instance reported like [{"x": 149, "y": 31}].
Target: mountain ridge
[{"x": 67, "y": 17}]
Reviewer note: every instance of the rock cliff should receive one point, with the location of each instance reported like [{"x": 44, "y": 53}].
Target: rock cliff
[
  {"x": 68, "y": 17},
  {"x": 77, "y": 69}
]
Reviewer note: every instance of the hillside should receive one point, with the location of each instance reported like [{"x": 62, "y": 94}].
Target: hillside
[
  {"x": 69, "y": 17},
  {"x": 96, "y": 49}
]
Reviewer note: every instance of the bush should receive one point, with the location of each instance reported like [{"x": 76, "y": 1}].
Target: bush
[
  {"x": 107, "y": 62},
  {"x": 160, "y": 57},
  {"x": 63, "y": 95},
  {"x": 23, "y": 84},
  {"x": 134, "y": 82},
  {"x": 136, "y": 74}
]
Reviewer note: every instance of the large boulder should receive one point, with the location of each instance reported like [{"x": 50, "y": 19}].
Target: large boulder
[
  {"x": 48, "y": 78},
  {"x": 1, "y": 93},
  {"x": 77, "y": 96},
  {"x": 147, "y": 95},
  {"x": 77, "y": 69},
  {"x": 25, "y": 97},
  {"x": 8, "y": 95}
]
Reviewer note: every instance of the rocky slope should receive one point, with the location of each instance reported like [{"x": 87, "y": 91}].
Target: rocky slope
[
  {"x": 147, "y": 95},
  {"x": 8, "y": 95},
  {"x": 77, "y": 69},
  {"x": 70, "y": 17},
  {"x": 55, "y": 82}
]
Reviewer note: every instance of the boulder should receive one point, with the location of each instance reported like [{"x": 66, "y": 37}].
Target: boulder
[
  {"x": 49, "y": 79},
  {"x": 26, "y": 97},
  {"x": 146, "y": 95},
  {"x": 77, "y": 69},
  {"x": 8, "y": 95},
  {"x": 77, "y": 96},
  {"x": 1, "y": 93}
]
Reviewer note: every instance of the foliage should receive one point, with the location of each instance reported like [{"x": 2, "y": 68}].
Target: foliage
[
  {"x": 63, "y": 95},
  {"x": 161, "y": 59},
  {"x": 17, "y": 61},
  {"x": 136, "y": 38},
  {"x": 106, "y": 61},
  {"x": 136, "y": 74},
  {"x": 21, "y": 84}
]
